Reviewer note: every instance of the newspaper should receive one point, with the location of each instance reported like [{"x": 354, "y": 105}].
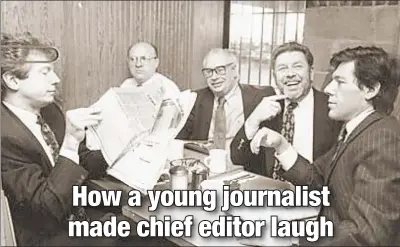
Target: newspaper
[
  {"x": 128, "y": 115},
  {"x": 136, "y": 130}
]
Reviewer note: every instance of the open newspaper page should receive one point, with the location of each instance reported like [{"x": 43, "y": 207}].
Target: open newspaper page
[
  {"x": 128, "y": 115},
  {"x": 141, "y": 167}
]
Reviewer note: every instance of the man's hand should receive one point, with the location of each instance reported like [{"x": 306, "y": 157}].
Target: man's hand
[
  {"x": 78, "y": 119},
  {"x": 268, "y": 138},
  {"x": 267, "y": 109}
]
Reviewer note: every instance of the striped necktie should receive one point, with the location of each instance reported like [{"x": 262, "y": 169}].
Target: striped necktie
[
  {"x": 220, "y": 124},
  {"x": 340, "y": 141}
]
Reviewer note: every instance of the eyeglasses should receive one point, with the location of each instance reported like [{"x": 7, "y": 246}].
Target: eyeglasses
[
  {"x": 141, "y": 59},
  {"x": 219, "y": 70},
  {"x": 52, "y": 52}
]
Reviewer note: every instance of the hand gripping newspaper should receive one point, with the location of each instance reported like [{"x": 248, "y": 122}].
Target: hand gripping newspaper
[{"x": 138, "y": 125}]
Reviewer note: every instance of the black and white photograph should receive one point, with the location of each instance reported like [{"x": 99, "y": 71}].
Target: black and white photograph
[{"x": 200, "y": 123}]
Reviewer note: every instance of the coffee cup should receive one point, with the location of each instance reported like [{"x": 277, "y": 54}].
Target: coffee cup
[{"x": 216, "y": 161}]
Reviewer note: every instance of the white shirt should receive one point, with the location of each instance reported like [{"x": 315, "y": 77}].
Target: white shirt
[
  {"x": 29, "y": 119},
  {"x": 234, "y": 115},
  {"x": 304, "y": 126},
  {"x": 157, "y": 80},
  {"x": 289, "y": 157}
]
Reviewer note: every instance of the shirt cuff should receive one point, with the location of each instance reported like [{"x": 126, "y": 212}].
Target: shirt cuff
[
  {"x": 249, "y": 130},
  {"x": 287, "y": 158},
  {"x": 70, "y": 155}
]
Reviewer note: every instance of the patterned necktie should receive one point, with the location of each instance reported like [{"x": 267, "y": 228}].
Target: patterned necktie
[
  {"x": 77, "y": 213},
  {"x": 220, "y": 125},
  {"x": 288, "y": 132},
  {"x": 49, "y": 138}
]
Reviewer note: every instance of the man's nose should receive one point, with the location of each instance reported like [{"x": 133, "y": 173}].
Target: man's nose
[
  {"x": 138, "y": 63},
  {"x": 214, "y": 75},
  {"x": 329, "y": 88},
  {"x": 291, "y": 73},
  {"x": 55, "y": 79}
]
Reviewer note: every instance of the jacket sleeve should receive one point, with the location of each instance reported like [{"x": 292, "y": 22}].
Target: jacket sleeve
[
  {"x": 27, "y": 185},
  {"x": 240, "y": 146}
]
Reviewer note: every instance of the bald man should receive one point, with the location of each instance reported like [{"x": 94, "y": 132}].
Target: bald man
[
  {"x": 220, "y": 71},
  {"x": 143, "y": 62}
]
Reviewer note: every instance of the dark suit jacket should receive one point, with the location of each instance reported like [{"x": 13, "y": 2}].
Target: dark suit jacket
[
  {"x": 325, "y": 133},
  {"x": 40, "y": 195},
  {"x": 198, "y": 124},
  {"x": 364, "y": 182}
]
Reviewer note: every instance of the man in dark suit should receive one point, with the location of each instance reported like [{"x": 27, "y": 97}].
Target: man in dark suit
[
  {"x": 362, "y": 170},
  {"x": 220, "y": 69},
  {"x": 304, "y": 115},
  {"x": 42, "y": 153}
]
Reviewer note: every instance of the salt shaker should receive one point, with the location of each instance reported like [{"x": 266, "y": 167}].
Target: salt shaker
[
  {"x": 198, "y": 176},
  {"x": 179, "y": 178}
]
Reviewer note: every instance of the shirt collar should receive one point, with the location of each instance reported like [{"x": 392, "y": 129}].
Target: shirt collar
[
  {"x": 146, "y": 82},
  {"x": 25, "y": 116},
  {"x": 305, "y": 101},
  {"x": 230, "y": 96},
  {"x": 353, "y": 123}
]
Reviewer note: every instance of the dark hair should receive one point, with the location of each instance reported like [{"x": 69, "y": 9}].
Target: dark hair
[
  {"x": 373, "y": 65},
  {"x": 14, "y": 52},
  {"x": 292, "y": 46}
]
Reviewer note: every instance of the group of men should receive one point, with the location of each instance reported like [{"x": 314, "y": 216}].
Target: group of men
[{"x": 343, "y": 137}]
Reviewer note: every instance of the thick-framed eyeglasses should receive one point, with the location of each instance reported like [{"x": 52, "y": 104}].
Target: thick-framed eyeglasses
[
  {"x": 141, "y": 59},
  {"x": 52, "y": 53},
  {"x": 219, "y": 70}
]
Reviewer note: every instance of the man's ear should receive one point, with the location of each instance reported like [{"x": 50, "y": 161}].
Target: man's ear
[
  {"x": 11, "y": 81},
  {"x": 371, "y": 92},
  {"x": 157, "y": 62},
  {"x": 312, "y": 74}
]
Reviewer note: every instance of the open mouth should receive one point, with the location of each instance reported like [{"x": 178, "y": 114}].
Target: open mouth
[
  {"x": 331, "y": 104},
  {"x": 217, "y": 85},
  {"x": 292, "y": 83}
]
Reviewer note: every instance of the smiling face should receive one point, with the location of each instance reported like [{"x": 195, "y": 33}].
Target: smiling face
[
  {"x": 219, "y": 70},
  {"x": 38, "y": 89},
  {"x": 293, "y": 75},
  {"x": 346, "y": 98}
]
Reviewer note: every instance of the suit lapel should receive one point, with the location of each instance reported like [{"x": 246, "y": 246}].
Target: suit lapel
[
  {"x": 357, "y": 131},
  {"x": 26, "y": 136},
  {"x": 319, "y": 121},
  {"x": 206, "y": 108},
  {"x": 248, "y": 99}
]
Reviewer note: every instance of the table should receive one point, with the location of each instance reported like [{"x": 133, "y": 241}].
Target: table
[
  {"x": 178, "y": 213},
  {"x": 142, "y": 213}
]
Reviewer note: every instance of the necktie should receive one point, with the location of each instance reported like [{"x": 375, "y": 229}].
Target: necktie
[
  {"x": 49, "y": 137},
  {"x": 78, "y": 213},
  {"x": 287, "y": 131},
  {"x": 220, "y": 125},
  {"x": 340, "y": 141}
]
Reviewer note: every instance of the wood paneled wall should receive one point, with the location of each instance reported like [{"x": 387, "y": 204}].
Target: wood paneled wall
[{"x": 93, "y": 38}]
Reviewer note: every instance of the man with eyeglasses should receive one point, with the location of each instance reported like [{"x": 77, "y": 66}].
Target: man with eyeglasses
[
  {"x": 362, "y": 169},
  {"x": 143, "y": 62},
  {"x": 222, "y": 107},
  {"x": 303, "y": 119}
]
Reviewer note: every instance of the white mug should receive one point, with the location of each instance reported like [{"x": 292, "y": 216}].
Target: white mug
[{"x": 216, "y": 161}]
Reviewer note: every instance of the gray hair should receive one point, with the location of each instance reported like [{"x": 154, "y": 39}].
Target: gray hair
[{"x": 228, "y": 54}]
